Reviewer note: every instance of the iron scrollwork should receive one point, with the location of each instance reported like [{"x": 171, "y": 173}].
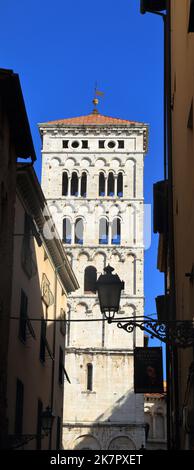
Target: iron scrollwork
[{"x": 176, "y": 333}]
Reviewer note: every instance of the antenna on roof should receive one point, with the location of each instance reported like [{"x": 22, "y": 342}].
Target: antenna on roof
[{"x": 95, "y": 101}]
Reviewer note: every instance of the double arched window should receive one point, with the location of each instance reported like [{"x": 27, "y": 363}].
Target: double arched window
[
  {"x": 110, "y": 186},
  {"x": 74, "y": 185},
  {"x": 73, "y": 232},
  {"x": 116, "y": 231},
  {"x": 67, "y": 233},
  {"x": 103, "y": 231},
  {"x": 79, "y": 231},
  {"x": 101, "y": 184},
  {"x": 110, "y": 232}
]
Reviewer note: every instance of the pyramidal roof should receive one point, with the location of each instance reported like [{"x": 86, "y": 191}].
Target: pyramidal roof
[{"x": 93, "y": 118}]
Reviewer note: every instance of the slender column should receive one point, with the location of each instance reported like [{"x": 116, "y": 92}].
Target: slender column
[
  {"x": 109, "y": 232},
  {"x": 106, "y": 186},
  {"x": 79, "y": 186},
  {"x": 115, "y": 185},
  {"x": 73, "y": 233},
  {"x": 69, "y": 186}
]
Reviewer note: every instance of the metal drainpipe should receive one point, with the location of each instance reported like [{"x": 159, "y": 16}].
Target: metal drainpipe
[{"x": 172, "y": 354}]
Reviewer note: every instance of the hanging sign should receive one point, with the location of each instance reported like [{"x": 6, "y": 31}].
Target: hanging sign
[{"x": 148, "y": 370}]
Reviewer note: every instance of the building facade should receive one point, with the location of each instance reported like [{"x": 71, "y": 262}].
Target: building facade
[
  {"x": 92, "y": 178},
  {"x": 174, "y": 215},
  {"x": 41, "y": 280},
  {"x": 15, "y": 142},
  {"x": 182, "y": 95},
  {"x": 155, "y": 420}
]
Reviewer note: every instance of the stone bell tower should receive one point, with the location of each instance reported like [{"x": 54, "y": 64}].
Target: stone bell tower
[{"x": 92, "y": 178}]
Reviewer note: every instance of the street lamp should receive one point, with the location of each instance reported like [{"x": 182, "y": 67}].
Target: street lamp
[
  {"x": 47, "y": 419},
  {"x": 109, "y": 287}
]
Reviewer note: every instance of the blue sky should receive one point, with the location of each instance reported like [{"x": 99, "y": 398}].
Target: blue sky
[{"x": 60, "y": 49}]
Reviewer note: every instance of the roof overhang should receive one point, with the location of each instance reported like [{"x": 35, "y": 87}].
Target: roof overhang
[{"x": 12, "y": 98}]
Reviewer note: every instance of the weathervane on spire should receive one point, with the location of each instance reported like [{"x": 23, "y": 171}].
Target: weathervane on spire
[{"x": 95, "y": 101}]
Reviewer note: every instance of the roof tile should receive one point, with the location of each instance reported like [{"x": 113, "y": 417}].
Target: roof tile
[{"x": 93, "y": 119}]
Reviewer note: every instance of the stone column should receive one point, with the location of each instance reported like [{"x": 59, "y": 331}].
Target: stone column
[
  {"x": 79, "y": 186},
  {"x": 106, "y": 186},
  {"x": 73, "y": 233},
  {"x": 115, "y": 185},
  {"x": 69, "y": 186}
]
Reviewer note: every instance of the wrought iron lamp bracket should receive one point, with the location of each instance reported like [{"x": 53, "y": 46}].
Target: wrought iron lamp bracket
[{"x": 175, "y": 333}]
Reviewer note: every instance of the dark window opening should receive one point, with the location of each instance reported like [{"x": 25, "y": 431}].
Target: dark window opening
[
  {"x": 85, "y": 144},
  {"x": 101, "y": 184},
  {"x": 66, "y": 231},
  {"x": 84, "y": 184},
  {"x": 89, "y": 377},
  {"x": 28, "y": 264},
  {"x": 61, "y": 366},
  {"x": 75, "y": 144},
  {"x": 120, "y": 185},
  {"x": 191, "y": 18},
  {"x": 116, "y": 232},
  {"x": 19, "y": 407},
  {"x": 111, "y": 144},
  {"x": 65, "y": 184},
  {"x": 90, "y": 278},
  {"x": 101, "y": 144},
  {"x": 39, "y": 425},
  {"x": 79, "y": 230},
  {"x": 42, "y": 340},
  {"x": 74, "y": 184},
  {"x": 111, "y": 185},
  {"x": 58, "y": 436},
  {"x": 23, "y": 315},
  {"x": 190, "y": 118},
  {"x": 121, "y": 144},
  {"x": 103, "y": 232},
  {"x": 65, "y": 144}
]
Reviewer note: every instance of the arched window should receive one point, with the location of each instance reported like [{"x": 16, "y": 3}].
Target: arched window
[
  {"x": 90, "y": 277},
  {"x": 66, "y": 230},
  {"x": 101, "y": 184},
  {"x": 89, "y": 377},
  {"x": 116, "y": 231},
  {"x": 74, "y": 184},
  {"x": 65, "y": 184},
  {"x": 103, "y": 231},
  {"x": 120, "y": 185},
  {"x": 111, "y": 184},
  {"x": 79, "y": 231},
  {"x": 84, "y": 184}
]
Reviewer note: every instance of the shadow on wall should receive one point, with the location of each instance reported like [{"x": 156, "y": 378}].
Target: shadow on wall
[
  {"x": 107, "y": 432},
  {"x": 34, "y": 351}
]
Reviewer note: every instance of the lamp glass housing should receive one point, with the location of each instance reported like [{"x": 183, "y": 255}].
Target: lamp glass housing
[{"x": 109, "y": 288}]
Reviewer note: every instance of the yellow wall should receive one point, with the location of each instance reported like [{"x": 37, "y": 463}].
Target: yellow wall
[
  {"x": 182, "y": 56},
  {"x": 23, "y": 359}
]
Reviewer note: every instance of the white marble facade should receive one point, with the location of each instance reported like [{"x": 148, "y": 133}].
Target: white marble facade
[{"x": 85, "y": 181}]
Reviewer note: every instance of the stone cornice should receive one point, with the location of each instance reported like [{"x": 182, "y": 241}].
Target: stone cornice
[
  {"x": 96, "y": 130},
  {"x": 110, "y": 424},
  {"x": 97, "y": 351}
]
